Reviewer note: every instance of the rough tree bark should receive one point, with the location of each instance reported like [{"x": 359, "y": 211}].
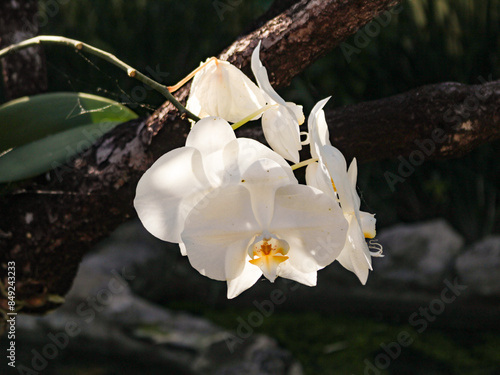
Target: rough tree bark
[
  {"x": 47, "y": 225},
  {"x": 23, "y": 73},
  {"x": 287, "y": 46},
  {"x": 454, "y": 117}
]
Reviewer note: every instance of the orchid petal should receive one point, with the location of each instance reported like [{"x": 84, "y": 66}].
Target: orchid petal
[
  {"x": 193, "y": 104},
  {"x": 311, "y": 223},
  {"x": 248, "y": 277},
  {"x": 209, "y": 135},
  {"x": 281, "y": 123},
  {"x": 317, "y": 176},
  {"x": 368, "y": 224},
  {"x": 281, "y": 131},
  {"x": 352, "y": 174},
  {"x": 356, "y": 256},
  {"x": 297, "y": 111},
  {"x": 182, "y": 248},
  {"x": 218, "y": 231},
  {"x": 318, "y": 128},
  {"x": 346, "y": 261},
  {"x": 262, "y": 178},
  {"x": 260, "y": 73},
  {"x": 336, "y": 166},
  {"x": 287, "y": 271},
  {"x": 220, "y": 89},
  {"x": 167, "y": 191},
  {"x": 243, "y": 152}
]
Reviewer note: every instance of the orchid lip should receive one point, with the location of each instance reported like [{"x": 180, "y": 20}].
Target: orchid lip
[{"x": 267, "y": 252}]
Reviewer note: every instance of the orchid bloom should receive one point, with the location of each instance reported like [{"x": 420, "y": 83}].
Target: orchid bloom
[
  {"x": 220, "y": 89},
  {"x": 237, "y": 210},
  {"x": 280, "y": 123},
  {"x": 266, "y": 225},
  {"x": 330, "y": 176},
  {"x": 180, "y": 179}
]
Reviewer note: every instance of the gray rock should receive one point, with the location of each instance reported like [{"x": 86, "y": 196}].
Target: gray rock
[
  {"x": 479, "y": 267},
  {"x": 420, "y": 254}
]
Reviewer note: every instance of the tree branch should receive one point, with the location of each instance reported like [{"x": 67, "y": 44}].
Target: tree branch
[
  {"x": 287, "y": 47},
  {"x": 454, "y": 117},
  {"x": 47, "y": 225}
]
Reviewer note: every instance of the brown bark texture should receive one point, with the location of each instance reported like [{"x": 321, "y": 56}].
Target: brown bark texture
[
  {"x": 442, "y": 120},
  {"x": 47, "y": 224},
  {"x": 24, "y": 73}
]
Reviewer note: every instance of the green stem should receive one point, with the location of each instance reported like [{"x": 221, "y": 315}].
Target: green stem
[
  {"x": 303, "y": 163},
  {"x": 131, "y": 72}
]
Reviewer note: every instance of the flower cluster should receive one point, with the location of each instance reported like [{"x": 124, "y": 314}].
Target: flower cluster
[{"x": 234, "y": 205}]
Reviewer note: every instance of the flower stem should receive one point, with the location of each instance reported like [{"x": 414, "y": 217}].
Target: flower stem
[
  {"x": 240, "y": 123},
  {"x": 84, "y": 47},
  {"x": 303, "y": 163}
]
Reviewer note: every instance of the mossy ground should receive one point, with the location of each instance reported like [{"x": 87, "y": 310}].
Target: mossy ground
[{"x": 348, "y": 344}]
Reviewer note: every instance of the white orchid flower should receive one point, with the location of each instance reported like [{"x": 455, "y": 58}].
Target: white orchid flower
[
  {"x": 180, "y": 179},
  {"x": 330, "y": 175},
  {"x": 266, "y": 225},
  {"x": 220, "y": 89},
  {"x": 280, "y": 123}
]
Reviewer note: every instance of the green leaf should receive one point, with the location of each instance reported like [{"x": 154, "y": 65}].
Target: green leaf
[
  {"x": 51, "y": 152},
  {"x": 31, "y": 118}
]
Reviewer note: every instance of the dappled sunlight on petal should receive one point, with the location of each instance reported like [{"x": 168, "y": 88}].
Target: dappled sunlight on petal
[{"x": 168, "y": 190}]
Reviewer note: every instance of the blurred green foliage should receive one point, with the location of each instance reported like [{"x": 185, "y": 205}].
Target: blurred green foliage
[{"x": 419, "y": 42}]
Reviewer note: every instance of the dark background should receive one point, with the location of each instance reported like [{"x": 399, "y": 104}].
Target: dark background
[{"x": 426, "y": 42}]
